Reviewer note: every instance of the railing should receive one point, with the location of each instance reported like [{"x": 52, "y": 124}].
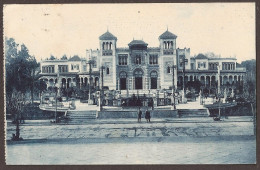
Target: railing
[
  {"x": 107, "y": 52},
  {"x": 240, "y": 69},
  {"x": 168, "y": 51}
]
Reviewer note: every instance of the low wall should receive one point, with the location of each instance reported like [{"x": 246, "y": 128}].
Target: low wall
[{"x": 133, "y": 114}]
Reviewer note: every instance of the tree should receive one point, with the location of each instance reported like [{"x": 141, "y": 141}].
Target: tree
[
  {"x": 40, "y": 86},
  {"x": 33, "y": 75},
  {"x": 250, "y": 80},
  {"x": 22, "y": 69},
  {"x": 14, "y": 105}
]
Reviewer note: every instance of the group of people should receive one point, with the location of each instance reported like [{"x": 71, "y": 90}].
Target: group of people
[{"x": 147, "y": 115}]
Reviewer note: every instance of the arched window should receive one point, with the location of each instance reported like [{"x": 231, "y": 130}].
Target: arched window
[
  {"x": 138, "y": 74},
  {"x": 107, "y": 70},
  {"x": 168, "y": 69},
  {"x": 103, "y": 46}
]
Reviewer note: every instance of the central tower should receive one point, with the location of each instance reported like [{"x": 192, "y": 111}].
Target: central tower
[{"x": 107, "y": 43}]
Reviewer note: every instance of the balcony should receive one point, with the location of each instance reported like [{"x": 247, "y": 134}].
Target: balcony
[
  {"x": 107, "y": 52},
  {"x": 168, "y": 52},
  {"x": 240, "y": 69}
]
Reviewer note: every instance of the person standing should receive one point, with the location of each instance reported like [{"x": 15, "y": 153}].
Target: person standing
[
  {"x": 147, "y": 115},
  {"x": 139, "y": 115}
]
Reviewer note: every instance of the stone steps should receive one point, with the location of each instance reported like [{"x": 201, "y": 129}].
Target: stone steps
[
  {"x": 80, "y": 116},
  {"x": 193, "y": 113}
]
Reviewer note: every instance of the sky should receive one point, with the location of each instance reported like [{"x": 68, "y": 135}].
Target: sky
[{"x": 226, "y": 29}]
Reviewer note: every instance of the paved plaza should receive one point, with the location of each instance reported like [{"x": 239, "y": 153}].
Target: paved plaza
[
  {"x": 162, "y": 151},
  {"x": 124, "y": 141},
  {"x": 116, "y": 128}
]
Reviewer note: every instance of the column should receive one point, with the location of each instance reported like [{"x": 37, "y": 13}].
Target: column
[
  {"x": 210, "y": 77},
  {"x": 133, "y": 83},
  {"x": 118, "y": 84}
]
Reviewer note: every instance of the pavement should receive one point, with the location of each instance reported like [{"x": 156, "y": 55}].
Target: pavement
[
  {"x": 161, "y": 151},
  {"x": 110, "y": 128},
  {"x": 124, "y": 141}
]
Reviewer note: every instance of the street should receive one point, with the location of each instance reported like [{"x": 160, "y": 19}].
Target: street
[{"x": 124, "y": 141}]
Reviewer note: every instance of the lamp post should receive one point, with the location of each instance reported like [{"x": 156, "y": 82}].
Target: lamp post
[
  {"x": 173, "y": 87},
  {"x": 184, "y": 60},
  {"x": 102, "y": 87},
  {"x": 90, "y": 82},
  {"x": 56, "y": 102}
]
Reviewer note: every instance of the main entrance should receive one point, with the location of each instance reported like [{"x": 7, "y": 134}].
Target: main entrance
[{"x": 138, "y": 74}]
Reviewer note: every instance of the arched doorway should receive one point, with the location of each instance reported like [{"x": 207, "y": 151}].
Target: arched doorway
[
  {"x": 138, "y": 74},
  {"x": 123, "y": 76},
  {"x": 154, "y": 77}
]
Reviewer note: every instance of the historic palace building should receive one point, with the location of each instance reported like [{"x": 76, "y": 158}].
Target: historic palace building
[{"x": 139, "y": 68}]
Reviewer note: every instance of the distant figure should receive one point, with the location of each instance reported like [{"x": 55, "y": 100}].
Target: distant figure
[
  {"x": 139, "y": 115},
  {"x": 147, "y": 115}
]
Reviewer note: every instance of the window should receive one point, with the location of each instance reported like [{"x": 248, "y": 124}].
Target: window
[
  {"x": 48, "y": 69},
  {"x": 95, "y": 64},
  {"x": 154, "y": 80},
  {"x": 122, "y": 59},
  {"x": 138, "y": 59},
  {"x": 63, "y": 68},
  {"x": 168, "y": 69},
  {"x": 153, "y": 59},
  {"x": 201, "y": 64},
  {"x": 107, "y": 70},
  {"x": 84, "y": 67},
  {"x": 74, "y": 66},
  {"x": 192, "y": 66}
]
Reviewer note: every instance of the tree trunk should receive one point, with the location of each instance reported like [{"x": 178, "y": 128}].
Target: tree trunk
[{"x": 32, "y": 94}]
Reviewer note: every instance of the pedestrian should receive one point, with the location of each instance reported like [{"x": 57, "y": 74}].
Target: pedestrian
[
  {"x": 139, "y": 115},
  {"x": 147, "y": 115}
]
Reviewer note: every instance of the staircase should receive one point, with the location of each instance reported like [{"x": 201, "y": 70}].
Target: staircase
[
  {"x": 80, "y": 117},
  {"x": 193, "y": 113}
]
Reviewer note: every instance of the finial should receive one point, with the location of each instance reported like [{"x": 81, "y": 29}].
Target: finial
[
  {"x": 133, "y": 38},
  {"x": 167, "y": 27},
  {"x": 107, "y": 28}
]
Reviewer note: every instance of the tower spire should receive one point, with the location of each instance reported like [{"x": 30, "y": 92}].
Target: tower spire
[
  {"x": 107, "y": 29},
  {"x": 167, "y": 27}
]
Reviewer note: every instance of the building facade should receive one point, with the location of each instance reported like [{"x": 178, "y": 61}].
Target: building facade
[{"x": 139, "y": 68}]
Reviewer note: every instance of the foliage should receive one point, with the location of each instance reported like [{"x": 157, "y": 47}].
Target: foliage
[
  {"x": 250, "y": 83},
  {"x": 14, "y": 105},
  {"x": 194, "y": 85},
  {"x": 21, "y": 68},
  {"x": 250, "y": 65}
]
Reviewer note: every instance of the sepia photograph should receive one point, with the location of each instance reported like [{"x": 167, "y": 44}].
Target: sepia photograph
[{"x": 130, "y": 83}]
